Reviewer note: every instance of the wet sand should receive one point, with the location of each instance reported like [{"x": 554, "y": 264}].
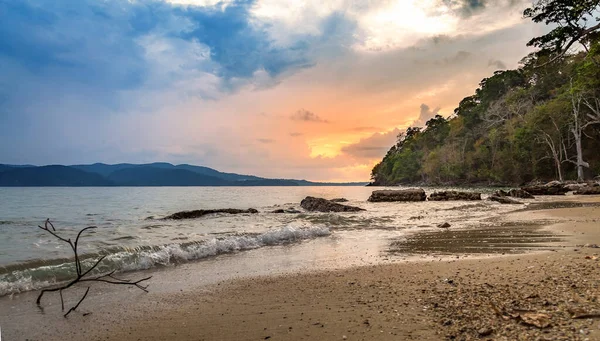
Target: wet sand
[{"x": 464, "y": 291}]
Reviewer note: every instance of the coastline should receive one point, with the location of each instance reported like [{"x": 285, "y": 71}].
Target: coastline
[{"x": 402, "y": 300}]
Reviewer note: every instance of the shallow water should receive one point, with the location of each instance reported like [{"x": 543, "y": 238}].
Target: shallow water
[{"x": 131, "y": 235}]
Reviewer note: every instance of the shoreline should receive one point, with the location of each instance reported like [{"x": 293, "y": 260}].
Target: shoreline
[{"x": 382, "y": 301}]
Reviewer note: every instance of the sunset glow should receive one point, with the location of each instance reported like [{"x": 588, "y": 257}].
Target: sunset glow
[{"x": 299, "y": 89}]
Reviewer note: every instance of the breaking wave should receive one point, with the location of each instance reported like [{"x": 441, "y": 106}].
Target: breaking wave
[{"x": 39, "y": 274}]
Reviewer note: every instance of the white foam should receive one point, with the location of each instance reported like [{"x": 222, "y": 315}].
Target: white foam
[{"x": 141, "y": 259}]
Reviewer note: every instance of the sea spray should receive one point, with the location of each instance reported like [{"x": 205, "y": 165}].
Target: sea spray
[{"x": 140, "y": 258}]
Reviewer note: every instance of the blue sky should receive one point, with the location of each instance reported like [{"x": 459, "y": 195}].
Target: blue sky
[{"x": 221, "y": 83}]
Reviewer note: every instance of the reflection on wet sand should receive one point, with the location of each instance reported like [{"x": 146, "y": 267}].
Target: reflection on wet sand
[{"x": 486, "y": 240}]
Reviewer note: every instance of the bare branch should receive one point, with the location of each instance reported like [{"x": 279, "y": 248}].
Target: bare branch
[
  {"x": 80, "y": 275},
  {"x": 78, "y": 303}
]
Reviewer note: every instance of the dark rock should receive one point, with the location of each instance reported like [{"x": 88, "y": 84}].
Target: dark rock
[
  {"x": 501, "y": 193},
  {"x": 444, "y": 225},
  {"x": 588, "y": 190},
  {"x": 503, "y": 200},
  {"x": 201, "y": 213},
  {"x": 454, "y": 195},
  {"x": 289, "y": 210},
  {"x": 324, "y": 205},
  {"x": 398, "y": 195},
  {"x": 551, "y": 188},
  {"x": 339, "y": 200},
  {"x": 519, "y": 193}
]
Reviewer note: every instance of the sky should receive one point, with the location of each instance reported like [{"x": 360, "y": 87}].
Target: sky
[{"x": 301, "y": 89}]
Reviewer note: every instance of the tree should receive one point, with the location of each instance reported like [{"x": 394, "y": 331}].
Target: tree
[{"x": 574, "y": 24}]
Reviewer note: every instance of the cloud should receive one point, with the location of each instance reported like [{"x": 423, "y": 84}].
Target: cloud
[
  {"x": 150, "y": 80},
  {"x": 499, "y": 65},
  {"x": 372, "y": 147},
  {"x": 425, "y": 115},
  {"x": 307, "y": 116}
]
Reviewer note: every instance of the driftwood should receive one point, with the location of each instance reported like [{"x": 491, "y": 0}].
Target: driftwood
[{"x": 83, "y": 275}]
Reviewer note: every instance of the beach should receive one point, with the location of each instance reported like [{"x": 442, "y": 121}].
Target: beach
[{"x": 551, "y": 294}]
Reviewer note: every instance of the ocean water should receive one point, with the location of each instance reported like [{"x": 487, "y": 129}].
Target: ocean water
[{"x": 133, "y": 237}]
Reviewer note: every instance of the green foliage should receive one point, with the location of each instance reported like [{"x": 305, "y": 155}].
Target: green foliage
[
  {"x": 505, "y": 132},
  {"x": 574, "y": 21}
]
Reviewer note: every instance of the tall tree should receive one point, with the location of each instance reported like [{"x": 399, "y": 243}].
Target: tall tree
[{"x": 575, "y": 20}]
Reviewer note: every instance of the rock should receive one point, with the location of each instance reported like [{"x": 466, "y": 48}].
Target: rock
[
  {"x": 454, "y": 195},
  {"x": 503, "y": 200},
  {"x": 339, "y": 200},
  {"x": 588, "y": 190},
  {"x": 576, "y": 186},
  {"x": 444, "y": 225},
  {"x": 200, "y": 213},
  {"x": 501, "y": 193},
  {"x": 519, "y": 193},
  {"x": 324, "y": 205},
  {"x": 289, "y": 210},
  {"x": 398, "y": 195},
  {"x": 551, "y": 188},
  {"x": 485, "y": 331}
]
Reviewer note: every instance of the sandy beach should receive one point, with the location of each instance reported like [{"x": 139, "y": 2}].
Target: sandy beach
[{"x": 552, "y": 294}]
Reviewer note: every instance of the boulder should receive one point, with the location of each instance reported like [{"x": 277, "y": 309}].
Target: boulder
[
  {"x": 339, "y": 200},
  {"x": 504, "y": 200},
  {"x": 454, "y": 195},
  {"x": 201, "y": 213},
  {"x": 444, "y": 226},
  {"x": 551, "y": 188},
  {"x": 324, "y": 205},
  {"x": 398, "y": 195},
  {"x": 588, "y": 190},
  {"x": 501, "y": 193},
  {"x": 519, "y": 193}
]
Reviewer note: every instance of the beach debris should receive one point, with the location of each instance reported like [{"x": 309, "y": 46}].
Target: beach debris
[
  {"x": 504, "y": 200},
  {"x": 324, "y": 205},
  {"x": 339, "y": 200},
  {"x": 200, "y": 213},
  {"x": 416, "y": 194},
  {"x": 83, "y": 275},
  {"x": 551, "y": 188},
  {"x": 444, "y": 225},
  {"x": 416, "y": 217},
  {"x": 580, "y": 313},
  {"x": 520, "y": 193},
  {"x": 539, "y": 320},
  {"x": 485, "y": 331},
  {"x": 454, "y": 195}
]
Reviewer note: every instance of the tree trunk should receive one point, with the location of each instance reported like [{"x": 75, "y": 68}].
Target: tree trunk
[{"x": 580, "y": 163}]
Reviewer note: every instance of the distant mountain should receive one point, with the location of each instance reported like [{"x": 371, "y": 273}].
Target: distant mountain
[
  {"x": 106, "y": 170},
  {"x": 152, "y": 176},
  {"x": 50, "y": 176},
  {"x": 126, "y": 174}
]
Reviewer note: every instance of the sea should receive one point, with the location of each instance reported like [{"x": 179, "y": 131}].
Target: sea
[{"x": 132, "y": 236}]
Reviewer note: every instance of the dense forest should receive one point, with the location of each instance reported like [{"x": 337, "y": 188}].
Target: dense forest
[{"x": 538, "y": 122}]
